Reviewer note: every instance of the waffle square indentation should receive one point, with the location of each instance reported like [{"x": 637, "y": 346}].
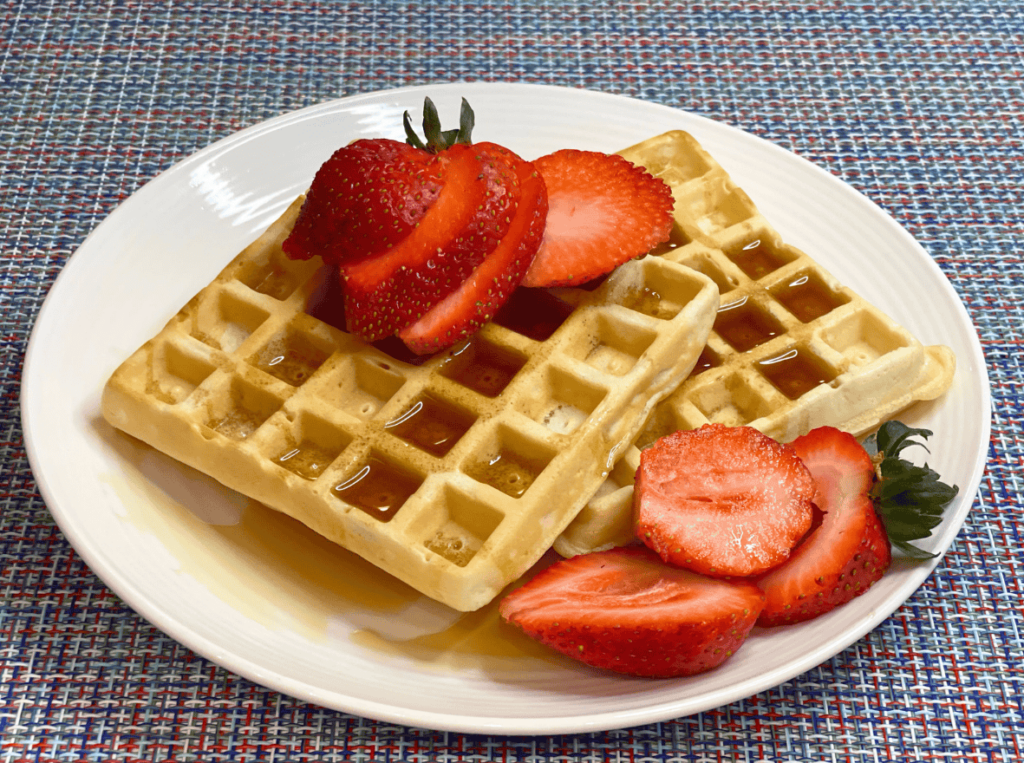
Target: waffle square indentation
[
  {"x": 225, "y": 320},
  {"x": 378, "y": 486},
  {"x": 704, "y": 263},
  {"x": 240, "y": 408},
  {"x": 807, "y": 296},
  {"x": 795, "y": 372},
  {"x": 731, "y": 401},
  {"x": 563, "y": 402},
  {"x": 431, "y": 424},
  {"x": 760, "y": 256},
  {"x": 276, "y": 277},
  {"x": 745, "y": 324},
  {"x": 722, "y": 208},
  {"x": 359, "y": 387},
  {"x": 176, "y": 373},
  {"x": 510, "y": 463},
  {"x": 863, "y": 338},
  {"x": 613, "y": 346},
  {"x": 291, "y": 356},
  {"x": 483, "y": 367},
  {"x": 461, "y": 525},
  {"x": 310, "y": 446},
  {"x": 665, "y": 291}
]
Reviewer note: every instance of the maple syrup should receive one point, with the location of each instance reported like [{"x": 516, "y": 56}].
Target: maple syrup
[
  {"x": 482, "y": 367},
  {"x": 235, "y": 321},
  {"x": 508, "y": 471},
  {"x": 246, "y": 410},
  {"x": 757, "y": 259},
  {"x": 282, "y": 575},
  {"x": 181, "y": 372},
  {"x": 379, "y": 488},
  {"x": 807, "y": 297},
  {"x": 237, "y": 423},
  {"x": 534, "y": 313},
  {"x": 795, "y": 372},
  {"x": 705, "y": 266},
  {"x": 455, "y": 550},
  {"x": 274, "y": 281},
  {"x": 676, "y": 238},
  {"x": 650, "y": 302},
  {"x": 292, "y": 359},
  {"x": 431, "y": 425},
  {"x": 744, "y": 325},
  {"x": 307, "y": 459},
  {"x": 707, "y": 359}
]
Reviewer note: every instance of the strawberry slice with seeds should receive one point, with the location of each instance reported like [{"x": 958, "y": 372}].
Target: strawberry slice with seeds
[
  {"x": 470, "y": 216},
  {"x": 722, "y": 501},
  {"x": 849, "y": 552},
  {"x": 626, "y": 611},
  {"x": 489, "y": 286},
  {"x": 363, "y": 200},
  {"x": 602, "y": 211}
]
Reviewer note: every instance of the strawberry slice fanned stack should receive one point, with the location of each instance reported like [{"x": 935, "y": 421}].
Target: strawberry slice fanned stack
[{"x": 430, "y": 238}]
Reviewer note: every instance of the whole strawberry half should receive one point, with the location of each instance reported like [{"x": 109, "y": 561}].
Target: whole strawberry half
[
  {"x": 722, "y": 501},
  {"x": 602, "y": 211},
  {"x": 848, "y": 552},
  {"x": 470, "y": 216},
  {"x": 363, "y": 200},
  {"x": 626, "y": 611},
  {"x": 489, "y": 286}
]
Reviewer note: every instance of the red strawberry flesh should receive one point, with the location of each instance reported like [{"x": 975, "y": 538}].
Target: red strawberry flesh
[
  {"x": 722, "y": 501},
  {"x": 364, "y": 199},
  {"x": 602, "y": 211},
  {"x": 849, "y": 552},
  {"x": 626, "y": 611},
  {"x": 470, "y": 216},
  {"x": 489, "y": 286}
]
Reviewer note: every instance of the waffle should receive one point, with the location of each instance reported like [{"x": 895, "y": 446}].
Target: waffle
[
  {"x": 454, "y": 473},
  {"x": 791, "y": 347}
]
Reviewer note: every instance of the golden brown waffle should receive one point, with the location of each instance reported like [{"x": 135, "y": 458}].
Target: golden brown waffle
[
  {"x": 791, "y": 348},
  {"x": 454, "y": 474}
]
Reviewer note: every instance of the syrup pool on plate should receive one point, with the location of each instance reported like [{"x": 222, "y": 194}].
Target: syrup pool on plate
[{"x": 276, "y": 572}]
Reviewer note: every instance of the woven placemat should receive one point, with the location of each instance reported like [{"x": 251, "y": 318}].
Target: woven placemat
[{"x": 917, "y": 105}]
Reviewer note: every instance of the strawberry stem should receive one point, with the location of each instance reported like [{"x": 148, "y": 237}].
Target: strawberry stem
[{"x": 438, "y": 140}]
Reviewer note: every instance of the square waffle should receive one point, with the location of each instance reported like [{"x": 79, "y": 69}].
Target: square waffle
[
  {"x": 454, "y": 473},
  {"x": 791, "y": 348}
]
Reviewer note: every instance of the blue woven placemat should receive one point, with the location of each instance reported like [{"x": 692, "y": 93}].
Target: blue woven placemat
[{"x": 918, "y": 105}]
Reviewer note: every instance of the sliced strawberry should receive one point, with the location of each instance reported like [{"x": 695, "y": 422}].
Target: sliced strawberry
[
  {"x": 843, "y": 557},
  {"x": 489, "y": 286},
  {"x": 365, "y": 199},
  {"x": 470, "y": 216},
  {"x": 602, "y": 211},
  {"x": 722, "y": 501},
  {"x": 624, "y": 610}
]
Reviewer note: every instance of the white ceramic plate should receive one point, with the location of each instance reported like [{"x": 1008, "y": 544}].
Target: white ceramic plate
[{"x": 264, "y": 597}]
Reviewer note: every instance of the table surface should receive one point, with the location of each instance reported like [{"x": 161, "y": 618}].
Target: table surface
[{"x": 916, "y": 105}]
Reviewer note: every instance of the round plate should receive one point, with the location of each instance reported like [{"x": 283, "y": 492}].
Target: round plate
[{"x": 267, "y": 599}]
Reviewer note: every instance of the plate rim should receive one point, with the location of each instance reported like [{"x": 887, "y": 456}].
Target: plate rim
[{"x": 163, "y": 620}]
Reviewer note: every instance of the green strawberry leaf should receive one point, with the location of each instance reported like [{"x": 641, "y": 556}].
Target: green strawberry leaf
[
  {"x": 438, "y": 140},
  {"x": 909, "y": 498}
]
